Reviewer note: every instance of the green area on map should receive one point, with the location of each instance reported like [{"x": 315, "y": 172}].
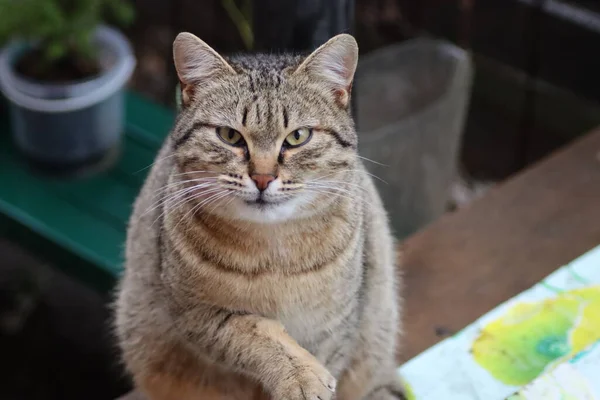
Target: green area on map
[{"x": 533, "y": 336}]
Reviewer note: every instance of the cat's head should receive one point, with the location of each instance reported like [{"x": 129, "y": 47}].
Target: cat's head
[{"x": 268, "y": 137}]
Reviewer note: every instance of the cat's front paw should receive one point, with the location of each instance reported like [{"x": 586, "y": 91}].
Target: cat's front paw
[{"x": 312, "y": 382}]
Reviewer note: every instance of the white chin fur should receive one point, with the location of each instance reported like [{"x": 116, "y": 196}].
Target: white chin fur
[
  {"x": 270, "y": 214},
  {"x": 274, "y": 213}
]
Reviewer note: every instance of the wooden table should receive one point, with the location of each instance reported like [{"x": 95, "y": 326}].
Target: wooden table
[{"x": 468, "y": 262}]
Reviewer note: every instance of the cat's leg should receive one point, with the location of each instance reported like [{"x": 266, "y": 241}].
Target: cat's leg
[
  {"x": 168, "y": 371},
  {"x": 365, "y": 380},
  {"x": 163, "y": 370},
  {"x": 393, "y": 391},
  {"x": 258, "y": 348},
  {"x": 165, "y": 386},
  {"x": 161, "y": 386},
  {"x": 371, "y": 372}
]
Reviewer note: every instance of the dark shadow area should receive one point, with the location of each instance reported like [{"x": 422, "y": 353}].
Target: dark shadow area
[{"x": 55, "y": 340}]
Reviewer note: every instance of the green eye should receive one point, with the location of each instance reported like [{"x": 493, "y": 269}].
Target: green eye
[
  {"x": 298, "y": 137},
  {"x": 230, "y": 136}
]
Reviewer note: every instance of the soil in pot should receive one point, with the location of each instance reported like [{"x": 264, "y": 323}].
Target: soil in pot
[{"x": 69, "y": 68}]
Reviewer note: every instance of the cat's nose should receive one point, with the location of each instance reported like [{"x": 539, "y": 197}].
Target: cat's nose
[{"x": 262, "y": 180}]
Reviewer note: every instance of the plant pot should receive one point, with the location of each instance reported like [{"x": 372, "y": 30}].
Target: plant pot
[
  {"x": 412, "y": 100},
  {"x": 67, "y": 126}
]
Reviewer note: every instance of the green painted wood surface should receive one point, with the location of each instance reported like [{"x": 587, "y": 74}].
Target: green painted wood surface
[{"x": 79, "y": 224}]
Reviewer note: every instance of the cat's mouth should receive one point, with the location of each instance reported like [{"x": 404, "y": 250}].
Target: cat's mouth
[
  {"x": 262, "y": 202},
  {"x": 259, "y": 201}
]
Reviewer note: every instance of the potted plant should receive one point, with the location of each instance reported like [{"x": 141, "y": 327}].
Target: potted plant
[{"x": 63, "y": 72}]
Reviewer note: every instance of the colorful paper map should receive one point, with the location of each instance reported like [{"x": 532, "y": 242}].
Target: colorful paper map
[{"x": 542, "y": 344}]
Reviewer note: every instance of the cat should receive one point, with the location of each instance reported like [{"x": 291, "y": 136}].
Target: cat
[{"x": 259, "y": 261}]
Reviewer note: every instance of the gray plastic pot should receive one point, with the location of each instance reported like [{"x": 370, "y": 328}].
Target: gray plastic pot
[
  {"x": 66, "y": 125},
  {"x": 412, "y": 101}
]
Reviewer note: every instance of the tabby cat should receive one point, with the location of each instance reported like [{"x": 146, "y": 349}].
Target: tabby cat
[{"x": 259, "y": 262}]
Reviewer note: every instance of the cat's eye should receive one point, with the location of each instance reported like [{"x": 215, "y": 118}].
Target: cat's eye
[
  {"x": 298, "y": 138},
  {"x": 230, "y": 136}
]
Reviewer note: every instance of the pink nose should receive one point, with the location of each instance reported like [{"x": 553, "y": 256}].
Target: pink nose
[{"x": 262, "y": 180}]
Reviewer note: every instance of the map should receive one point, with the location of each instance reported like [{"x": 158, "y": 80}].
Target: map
[{"x": 542, "y": 344}]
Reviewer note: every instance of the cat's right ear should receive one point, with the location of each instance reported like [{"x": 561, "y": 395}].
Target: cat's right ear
[
  {"x": 195, "y": 61},
  {"x": 334, "y": 64}
]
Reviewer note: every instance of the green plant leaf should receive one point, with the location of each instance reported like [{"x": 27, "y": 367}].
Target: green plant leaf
[
  {"x": 241, "y": 21},
  {"x": 121, "y": 11},
  {"x": 59, "y": 26},
  {"x": 55, "y": 50}
]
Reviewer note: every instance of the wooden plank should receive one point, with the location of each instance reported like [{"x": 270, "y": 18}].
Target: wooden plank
[
  {"x": 147, "y": 122},
  {"x": 32, "y": 202},
  {"x": 468, "y": 262},
  {"x": 84, "y": 217}
]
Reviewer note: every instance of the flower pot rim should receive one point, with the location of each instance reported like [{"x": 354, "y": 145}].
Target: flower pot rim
[
  {"x": 460, "y": 80},
  {"x": 74, "y": 95}
]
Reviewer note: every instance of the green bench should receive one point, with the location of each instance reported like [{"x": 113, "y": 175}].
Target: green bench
[{"x": 79, "y": 225}]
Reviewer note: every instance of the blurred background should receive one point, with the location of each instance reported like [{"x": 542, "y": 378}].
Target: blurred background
[{"x": 451, "y": 98}]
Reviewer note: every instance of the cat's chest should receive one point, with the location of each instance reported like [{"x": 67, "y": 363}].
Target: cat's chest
[
  {"x": 304, "y": 302},
  {"x": 304, "y": 285},
  {"x": 276, "y": 294}
]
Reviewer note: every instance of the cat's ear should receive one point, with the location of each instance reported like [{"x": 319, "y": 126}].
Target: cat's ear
[
  {"x": 334, "y": 63},
  {"x": 195, "y": 61}
]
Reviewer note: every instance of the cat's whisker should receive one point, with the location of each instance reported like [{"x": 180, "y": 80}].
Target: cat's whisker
[
  {"x": 351, "y": 170},
  {"x": 315, "y": 201},
  {"x": 184, "y": 200},
  {"x": 155, "y": 161},
  {"x": 196, "y": 207},
  {"x": 192, "y": 211},
  {"x": 197, "y": 172},
  {"x": 341, "y": 183},
  {"x": 229, "y": 202},
  {"x": 215, "y": 199},
  {"x": 176, "y": 201},
  {"x": 178, "y": 182},
  {"x": 333, "y": 173},
  {"x": 198, "y": 195},
  {"x": 199, "y": 183},
  {"x": 167, "y": 190},
  {"x": 210, "y": 199},
  {"x": 193, "y": 207},
  {"x": 338, "y": 185},
  {"x": 161, "y": 191},
  {"x": 376, "y": 177},
  {"x": 337, "y": 189},
  {"x": 325, "y": 191},
  {"x": 166, "y": 199},
  {"x": 373, "y": 161},
  {"x": 219, "y": 201},
  {"x": 177, "y": 188},
  {"x": 178, "y": 193}
]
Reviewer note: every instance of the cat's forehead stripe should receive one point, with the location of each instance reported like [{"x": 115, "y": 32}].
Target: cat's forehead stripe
[{"x": 264, "y": 69}]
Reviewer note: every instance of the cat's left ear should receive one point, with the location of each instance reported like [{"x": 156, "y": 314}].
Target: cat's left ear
[
  {"x": 196, "y": 62},
  {"x": 334, "y": 63}
]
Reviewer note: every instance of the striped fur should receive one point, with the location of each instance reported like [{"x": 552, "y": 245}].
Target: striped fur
[{"x": 232, "y": 293}]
